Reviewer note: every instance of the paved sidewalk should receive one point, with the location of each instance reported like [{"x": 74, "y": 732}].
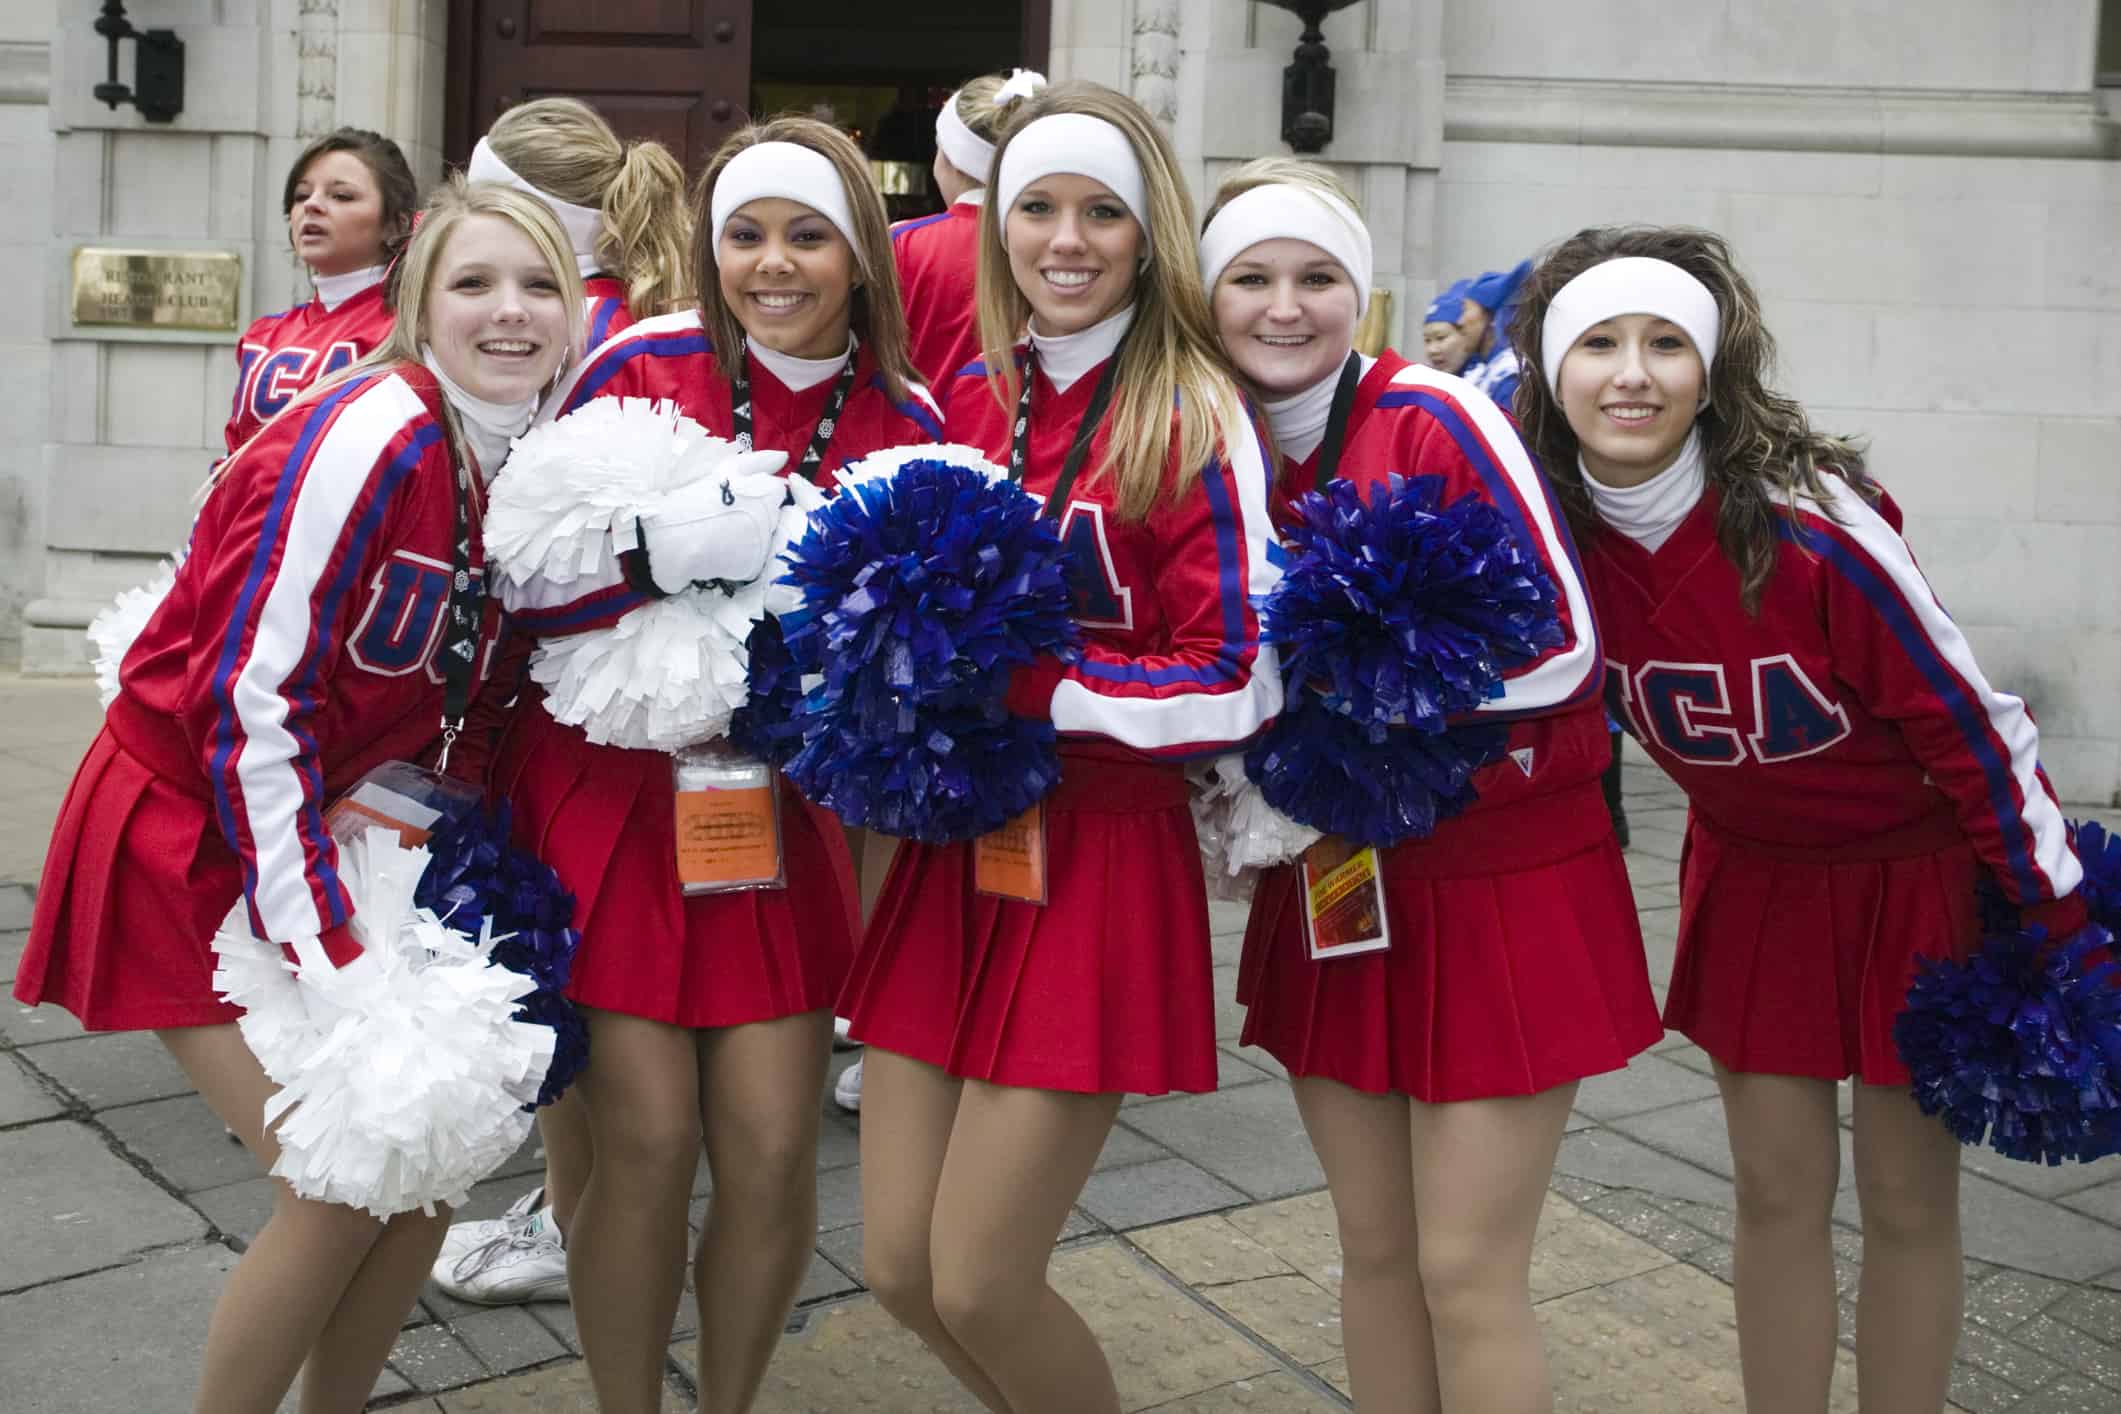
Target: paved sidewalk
[{"x": 1202, "y": 1251}]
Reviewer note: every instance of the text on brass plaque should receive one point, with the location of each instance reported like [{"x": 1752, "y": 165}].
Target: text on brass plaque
[{"x": 156, "y": 289}]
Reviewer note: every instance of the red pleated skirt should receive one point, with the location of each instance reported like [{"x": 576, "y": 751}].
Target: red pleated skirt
[
  {"x": 1794, "y": 963},
  {"x": 135, "y": 883},
  {"x": 1107, "y": 987},
  {"x": 604, "y": 818},
  {"x": 1498, "y": 982}
]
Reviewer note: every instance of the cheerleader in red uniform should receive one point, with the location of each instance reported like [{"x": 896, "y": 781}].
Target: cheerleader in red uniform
[
  {"x": 938, "y": 255},
  {"x": 623, "y": 207},
  {"x": 1433, "y": 1077},
  {"x": 349, "y": 200},
  {"x": 1849, "y": 772},
  {"x": 710, "y": 1015},
  {"x": 299, "y": 648},
  {"x": 1003, "y": 1032},
  {"x": 622, "y": 204}
]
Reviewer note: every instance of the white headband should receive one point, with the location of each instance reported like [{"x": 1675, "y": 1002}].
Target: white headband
[
  {"x": 967, "y": 150},
  {"x": 1284, "y": 211},
  {"x": 1077, "y": 143},
  {"x": 1633, "y": 284},
  {"x": 584, "y": 224},
  {"x": 789, "y": 171}
]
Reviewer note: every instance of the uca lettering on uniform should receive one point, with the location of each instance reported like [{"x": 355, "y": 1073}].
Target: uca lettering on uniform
[{"x": 1686, "y": 709}]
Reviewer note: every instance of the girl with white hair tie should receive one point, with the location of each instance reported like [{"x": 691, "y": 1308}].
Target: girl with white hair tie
[
  {"x": 1434, "y": 1076},
  {"x": 710, "y": 1014},
  {"x": 1008, "y": 1011},
  {"x": 1849, "y": 773},
  {"x": 938, "y": 255}
]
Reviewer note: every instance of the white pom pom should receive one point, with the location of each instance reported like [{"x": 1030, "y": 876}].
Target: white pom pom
[
  {"x": 574, "y": 486},
  {"x": 403, "y": 1075},
  {"x": 113, "y": 632},
  {"x": 1240, "y": 834}
]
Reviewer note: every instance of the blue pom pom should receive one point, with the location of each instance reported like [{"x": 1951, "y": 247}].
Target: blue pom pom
[
  {"x": 944, "y": 775},
  {"x": 765, "y": 727},
  {"x": 2020, "y": 1045},
  {"x": 924, "y": 589},
  {"x": 2100, "y": 853},
  {"x": 475, "y": 877},
  {"x": 1404, "y": 609},
  {"x": 1373, "y": 784}
]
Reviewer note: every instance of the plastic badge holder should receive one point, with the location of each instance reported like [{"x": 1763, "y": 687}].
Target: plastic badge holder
[
  {"x": 400, "y": 796},
  {"x": 728, "y": 821},
  {"x": 1344, "y": 900},
  {"x": 1010, "y": 862}
]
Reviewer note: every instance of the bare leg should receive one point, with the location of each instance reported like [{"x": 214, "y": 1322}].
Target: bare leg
[
  {"x": 1788, "y": 1159},
  {"x": 626, "y": 1255},
  {"x": 1017, "y": 1160},
  {"x": 342, "y": 1369},
  {"x": 1908, "y": 1305},
  {"x": 563, "y": 1127},
  {"x": 909, "y": 1108},
  {"x": 1480, "y": 1179},
  {"x": 1365, "y": 1144},
  {"x": 759, "y": 1110},
  {"x": 278, "y": 1301}
]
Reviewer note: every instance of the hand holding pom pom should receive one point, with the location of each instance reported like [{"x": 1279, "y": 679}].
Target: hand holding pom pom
[{"x": 1376, "y": 785}]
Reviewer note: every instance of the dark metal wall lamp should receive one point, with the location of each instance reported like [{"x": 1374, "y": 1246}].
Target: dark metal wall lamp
[
  {"x": 1307, "y": 84},
  {"x": 158, "y": 67}
]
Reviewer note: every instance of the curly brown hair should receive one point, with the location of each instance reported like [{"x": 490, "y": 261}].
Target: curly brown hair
[
  {"x": 385, "y": 161},
  {"x": 1758, "y": 449}
]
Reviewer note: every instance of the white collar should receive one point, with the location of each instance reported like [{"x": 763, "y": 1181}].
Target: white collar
[
  {"x": 335, "y": 290},
  {"x": 1067, "y": 357},
  {"x": 1648, "y": 513},
  {"x": 488, "y": 427},
  {"x": 1299, "y": 420},
  {"x": 799, "y": 373},
  {"x": 976, "y": 197}
]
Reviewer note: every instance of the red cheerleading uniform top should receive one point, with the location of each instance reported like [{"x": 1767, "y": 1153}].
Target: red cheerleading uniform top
[
  {"x": 671, "y": 356},
  {"x": 296, "y": 650},
  {"x": 938, "y": 270},
  {"x": 281, "y": 354},
  {"x": 1411, "y": 420},
  {"x": 1172, "y": 663},
  {"x": 604, "y": 310},
  {"x": 1847, "y": 714}
]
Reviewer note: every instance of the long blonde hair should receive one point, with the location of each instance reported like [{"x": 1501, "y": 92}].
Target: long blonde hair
[
  {"x": 562, "y": 147},
  {"x": 1171, "y": 351},
  {"x": 873, "y": 311}
]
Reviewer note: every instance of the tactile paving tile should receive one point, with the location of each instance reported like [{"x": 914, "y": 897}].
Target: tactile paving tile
[
  {"x": 1301, "y": 1231},
  {"x": 1163, "y": 1346},
  {"x": 1574, "y": 1249},
  {"x": 1293, "y": 1314},
  {"x": 558, "y": 1389},
  {"x": 1664, "y": 1342},
  {"x": 1274, "y": 1394},
  {"x": 1208, "y": 1252},
  {"x": 855, "y": 1359}
]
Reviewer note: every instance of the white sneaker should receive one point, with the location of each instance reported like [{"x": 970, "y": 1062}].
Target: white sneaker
[
  {"x": 841, "y": 1041},
  {"x": 847, "y": 1090},
  {"x": 528, "y": 1264},
  {"x": 464, "y": 1236}
]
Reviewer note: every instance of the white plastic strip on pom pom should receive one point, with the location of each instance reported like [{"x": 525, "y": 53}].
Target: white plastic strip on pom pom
[
  {"x": 671, "y": 673},
  {"x": 575, "y": 489},
  {"x": 113, "y": 632},
  {"x": 403, "y": 1076},
  {"x": 1240, "y": 834},
  {"x": 879, "y": 466}
]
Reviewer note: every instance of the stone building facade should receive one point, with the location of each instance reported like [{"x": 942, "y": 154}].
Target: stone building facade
[{"x": 1926, "y": 191}]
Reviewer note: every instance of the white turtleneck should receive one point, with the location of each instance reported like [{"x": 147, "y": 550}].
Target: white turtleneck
[
  {"x": 1067, "y": 357},
  {"x": 335, "y": 290},
  {"x": 1648, "y": 513},
  {"x": 796, "y": 374},
  {"x": 488, "y": 427},
  {"x": 976, "y": 197},
  {"x": 1299, "y": 421}
]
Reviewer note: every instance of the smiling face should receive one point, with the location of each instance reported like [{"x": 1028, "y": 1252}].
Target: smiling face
[
  {"x": 788, "y": 275},
  {"x": 1286, "y": 312},
  {"x": 336, "y": 221},
  {"x": 1445, "y": 346},
  {"x": 1073, "y": 250},
  {"x": 496, "y": 319},
  {"x": 1630, "y": 388}
]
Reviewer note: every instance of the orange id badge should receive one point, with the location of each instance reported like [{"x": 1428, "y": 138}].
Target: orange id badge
[
  {"x": 1344, "y": 899},
  {"x": 1011, "y": 862},
  {"x": 728, "y": 821},
  {"x": 400, "y": 796}
]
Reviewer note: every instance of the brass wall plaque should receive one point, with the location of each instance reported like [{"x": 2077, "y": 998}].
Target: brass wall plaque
[{"x": 157, "y": 289}]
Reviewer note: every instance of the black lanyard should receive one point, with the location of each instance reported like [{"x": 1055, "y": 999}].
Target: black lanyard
[
  {"x": 820, "y": 436},
  {"x": 1337, "y": 420},
  {"x": 460, "y": 624},
  {"x": 1020, "y": 440}
]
